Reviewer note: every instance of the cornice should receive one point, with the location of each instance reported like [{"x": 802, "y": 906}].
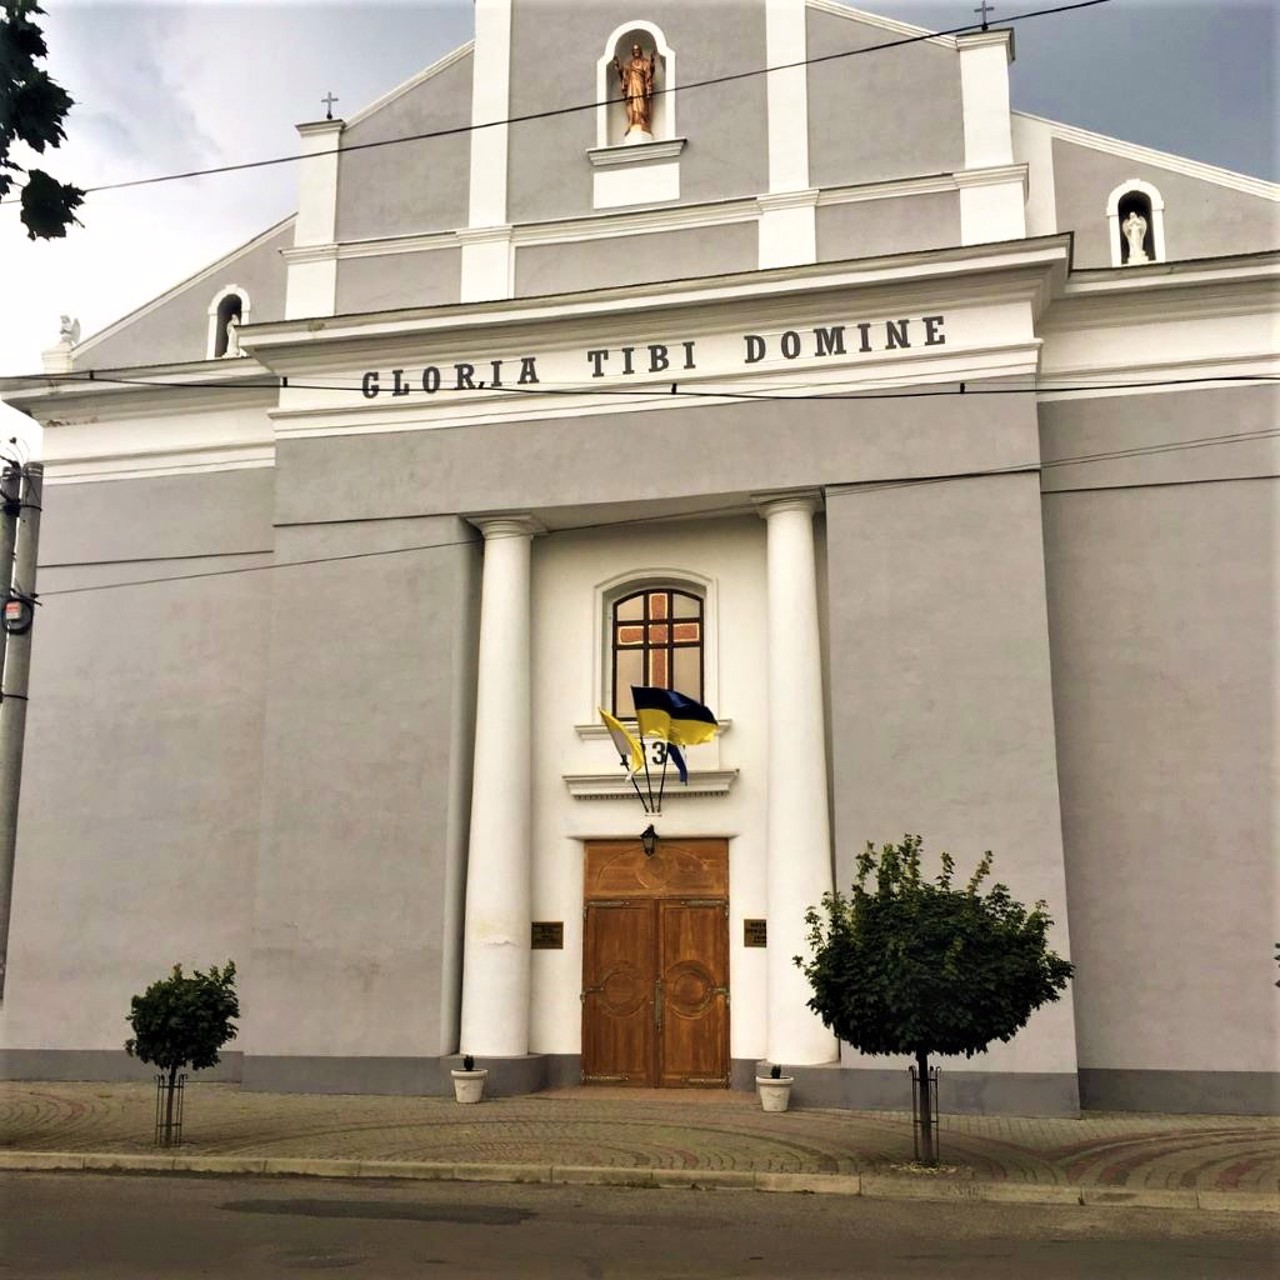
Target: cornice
[
  {"x": 950, "y": 272},
  {"x": 144, "y": 391},
  {"x": 614, "y": 786},
  {"x": 640, "y": 153}
]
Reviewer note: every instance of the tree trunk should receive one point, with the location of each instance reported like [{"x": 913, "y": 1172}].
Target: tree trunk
[{"x": 929, "y": 1155}]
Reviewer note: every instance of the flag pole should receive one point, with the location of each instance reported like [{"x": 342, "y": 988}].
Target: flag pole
[
  {"x": 662, "y": 785},
  {"x": 648, "y": 780}
]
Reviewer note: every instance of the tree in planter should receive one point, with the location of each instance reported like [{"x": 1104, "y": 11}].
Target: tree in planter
[
  {"x": 906, "y": 965},
  {"x": 182, "y": 1021}
]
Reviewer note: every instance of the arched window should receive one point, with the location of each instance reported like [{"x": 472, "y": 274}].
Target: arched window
[
  {"x": 1135, "y": 222},
  {"x": 656, "y": 637},
  {"x": 229, "y": 304}
]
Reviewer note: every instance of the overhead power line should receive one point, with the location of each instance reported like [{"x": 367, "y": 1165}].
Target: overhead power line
[
  {"x": 578, "y": 107},
  {"x": 1202, "y": 442},
  {"x": 665, "y": 390}
]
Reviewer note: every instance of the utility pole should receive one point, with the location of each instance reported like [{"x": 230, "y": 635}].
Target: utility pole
[
  {"x": 18, "y": 622},
  {"x": 10, "y": 504}
]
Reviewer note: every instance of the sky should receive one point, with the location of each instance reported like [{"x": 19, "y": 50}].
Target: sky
[{"x": 173, "y": 85}]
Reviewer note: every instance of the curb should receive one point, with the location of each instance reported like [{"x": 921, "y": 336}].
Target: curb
[{"x": 872, "y": 1186}]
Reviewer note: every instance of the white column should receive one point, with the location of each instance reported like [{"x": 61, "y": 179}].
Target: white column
[
  {"x": 993, "y": 203},
  {"x": 788, "y": 215},
  {"x": 495, "y": 958},
  {"x": 312, "y": 285},
  {"x": 486, "y": 270},
  {"x": 798, "y": 828}
]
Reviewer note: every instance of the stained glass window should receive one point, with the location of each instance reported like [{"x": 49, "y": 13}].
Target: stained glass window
[{"x": 656, "y": 640}]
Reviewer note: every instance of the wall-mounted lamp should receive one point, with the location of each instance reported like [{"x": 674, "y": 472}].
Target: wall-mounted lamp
[{"x": 649, "y": 839}]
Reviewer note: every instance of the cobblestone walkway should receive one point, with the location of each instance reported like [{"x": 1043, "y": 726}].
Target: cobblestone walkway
[{"x": 628, "y": 1130}]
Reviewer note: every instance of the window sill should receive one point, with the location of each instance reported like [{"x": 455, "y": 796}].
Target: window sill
[{"x": 617, "y": 786}]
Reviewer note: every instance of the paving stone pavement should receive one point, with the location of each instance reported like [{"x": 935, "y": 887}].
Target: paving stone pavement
[{"x": 1231, "y": 1160}]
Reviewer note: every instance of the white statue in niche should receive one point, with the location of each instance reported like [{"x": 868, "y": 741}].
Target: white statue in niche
[
  {"x": 1135, "y": 232},
  {"x": 233, "y": 338}
]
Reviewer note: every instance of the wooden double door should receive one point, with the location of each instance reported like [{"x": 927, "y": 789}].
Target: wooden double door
[{"x": 655, "y": 990}]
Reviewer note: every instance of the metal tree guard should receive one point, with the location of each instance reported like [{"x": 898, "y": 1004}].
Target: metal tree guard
[
  {"x": 169, "y": 1110},
  {"x": 919, "y": 1122}
]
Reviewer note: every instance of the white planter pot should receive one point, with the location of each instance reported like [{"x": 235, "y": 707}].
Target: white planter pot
[
  {"x": 775, "y": 1095},
  {"x": 468, "y": 1086}
]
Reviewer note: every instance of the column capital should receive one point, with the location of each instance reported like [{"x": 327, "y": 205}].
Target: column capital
[
  {"x": 772, "y": 504},
  {"x": 511, "y": 524}
]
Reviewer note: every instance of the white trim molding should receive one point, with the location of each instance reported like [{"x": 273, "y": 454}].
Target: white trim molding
[
  {"x": 617, "y": 786},
  {"x": 608, "y": 592},
  {"x": 1161, "y": 159},
  {"x": 1114, "y": 233}
]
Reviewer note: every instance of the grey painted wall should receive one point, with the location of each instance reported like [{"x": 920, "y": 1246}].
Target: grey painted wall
[
  {"x": 732, "y": 449},
  {"x": 396, "y": 280},
  {"x": 411, "y": 187},
  {"x": 177, "y": 330},
  {"x": 169, "y": 517},
  {"x": 662, "y": 255},
  {"x": 362, "y": 830},
  {"x": 1080, "y": 439},
  {"x": 879, "y": 116},
  {"x": 727, "y": 151},
  {"x": 869, "y": 228},
  {"x": 1201, "y": 219},
  {"x": 1162, "y": 608},
  {"x": 941, "y": 707},
  {"x": 138, "y": 827}
]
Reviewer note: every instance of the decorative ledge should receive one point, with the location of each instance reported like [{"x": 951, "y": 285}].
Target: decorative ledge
[
  {"x": 636, "y": 152},
  {"x": 615, "y": 786}
]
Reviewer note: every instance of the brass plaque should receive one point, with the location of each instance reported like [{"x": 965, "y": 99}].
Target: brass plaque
[
  {"x": 548, "y": 935},
  {"x": 755, "y": 933}
]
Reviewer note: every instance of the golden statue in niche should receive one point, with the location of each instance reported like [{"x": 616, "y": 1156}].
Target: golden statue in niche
[{"x": 636, "y": 79}]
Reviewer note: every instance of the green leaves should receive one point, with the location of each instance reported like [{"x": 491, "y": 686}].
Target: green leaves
[
  {"x": 919, "y": 966},
  {"x": 32, "y": 109},
  {"x": 183, "y": 1021}
]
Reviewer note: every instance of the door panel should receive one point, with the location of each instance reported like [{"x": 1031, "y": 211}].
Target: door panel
[
  {"x": 694, "y": 1013},
  {"x": 655, "y": 999},
  {"x": 619, "y": 971}
]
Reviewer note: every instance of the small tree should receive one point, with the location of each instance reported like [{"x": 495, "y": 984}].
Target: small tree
[
  {"x": 183, "y": 1021},
  {"x": 920, "y": 967}
]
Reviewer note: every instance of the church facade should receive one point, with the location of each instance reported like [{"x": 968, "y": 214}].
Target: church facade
[{"x": 927, "y": 442}]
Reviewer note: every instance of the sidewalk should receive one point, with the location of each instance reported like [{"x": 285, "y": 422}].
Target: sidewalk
[{"x": 666, "y": 1138}]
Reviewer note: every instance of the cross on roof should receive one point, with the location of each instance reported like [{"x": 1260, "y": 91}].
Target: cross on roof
[
  {"x": 984, "y": 8},
  {"x": 328, "y": 101}
]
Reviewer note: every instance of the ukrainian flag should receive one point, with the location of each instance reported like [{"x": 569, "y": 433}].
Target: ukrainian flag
[{"x": 671, "y": 717}]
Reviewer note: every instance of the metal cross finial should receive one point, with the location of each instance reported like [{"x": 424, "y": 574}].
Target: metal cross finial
[
  {"x": 328, "y": 101},
  {"x": 984, "y": 8}
]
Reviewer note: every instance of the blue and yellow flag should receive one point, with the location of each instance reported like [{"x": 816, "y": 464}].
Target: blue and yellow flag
[
  {"x": 627, "y": 746},
  {"x": 672, "y": 717}
]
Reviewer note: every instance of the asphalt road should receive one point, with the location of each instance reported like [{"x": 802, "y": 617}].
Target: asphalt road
[{"x": 178, "y": 1228}]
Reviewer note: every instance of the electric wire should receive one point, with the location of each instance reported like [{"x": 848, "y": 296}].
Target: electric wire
[
  {"x": 665, "y": 389},
  {"x": 570, "y": 110},
  {"x": 858, "y": 488}
]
